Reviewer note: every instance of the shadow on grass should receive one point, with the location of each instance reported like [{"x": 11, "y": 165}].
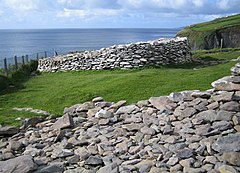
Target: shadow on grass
[{"x": 15, "y": 81}]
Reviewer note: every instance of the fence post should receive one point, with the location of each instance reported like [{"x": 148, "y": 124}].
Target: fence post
[
  {"x": 16, "y": 64},
  {"x": 27, "y": 58},
  {"x": 37, "y": 56},
  {"x": 23, "y": 60},
  {"x": 5, "y": 66},
  {"x": 45, "y": 54}
]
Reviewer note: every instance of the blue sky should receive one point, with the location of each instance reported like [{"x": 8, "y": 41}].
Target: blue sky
[{"x": 17, "y": 14}]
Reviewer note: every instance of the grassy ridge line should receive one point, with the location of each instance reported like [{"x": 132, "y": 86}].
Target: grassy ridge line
[
  {"x": 207, "y": 35},
  {"x": 213, "y": 25},
  {"x": 54, "y": 91}
]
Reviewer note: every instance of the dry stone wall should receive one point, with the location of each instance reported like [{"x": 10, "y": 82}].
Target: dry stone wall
[
  {"x": 152, "y": 53},
  {"x": 189, "y": 131}
]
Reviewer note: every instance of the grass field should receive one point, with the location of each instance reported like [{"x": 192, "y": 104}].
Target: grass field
[
  {"x": 214, "y": 24},
  {"x": 54, "y": 91}
]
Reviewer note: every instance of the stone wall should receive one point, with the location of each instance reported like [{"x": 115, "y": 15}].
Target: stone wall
[
  {"x": 152, "y": 53},
  {"x": 189, "y": 131}
]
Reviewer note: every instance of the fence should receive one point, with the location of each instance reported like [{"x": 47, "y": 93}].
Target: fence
[{"x": 9, "y": 65}]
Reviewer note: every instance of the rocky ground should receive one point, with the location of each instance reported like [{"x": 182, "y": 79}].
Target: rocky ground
[{"x": 189, "y": 131}]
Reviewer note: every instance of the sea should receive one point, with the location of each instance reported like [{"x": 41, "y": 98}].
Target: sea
[{"x": 32, "y": 41}]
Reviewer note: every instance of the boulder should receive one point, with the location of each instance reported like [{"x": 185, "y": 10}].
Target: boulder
[
  {"x": 160, "y": 102},
  {"x": 229, "y": 143},
  {"x": 8, "y": 130},
  {"x": 64, "y": 122},
  {"x": 23, "y": 164}
]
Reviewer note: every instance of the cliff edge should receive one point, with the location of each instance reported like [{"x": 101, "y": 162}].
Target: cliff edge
[{"x": 219, "y": 33}]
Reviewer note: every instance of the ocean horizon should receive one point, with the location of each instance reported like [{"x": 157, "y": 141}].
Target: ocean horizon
[{"x": 31, "y": 41}]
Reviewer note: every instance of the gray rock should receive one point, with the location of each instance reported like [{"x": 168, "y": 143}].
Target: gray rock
[
  {"x": 188, "y": 112},
  {"x": 160, "y": 102},
  {"x": 23, "y": 164},
  {"x": 207, "y": 116},
  {"x": 213, "y": 105},
  {"x": 222, "y": 125},
  {"x": 236, "y": 119},
  {"x": 103, "y": 122},
  {"x": 167, "y": 129},
  {"x": 224, "y": 115},
  {"x": 8, "y": 130},
  {"x": 104, "y": 114},
  {"x": 64, "y": 122},
  {"x": 97, "y": 99},
  {"x": 184, "y": 153},
  {"x": 52, "y": 168},
  {"x": 94, "y": 161},
  {"x": 32, "y": 121},
  {"x": 74, "y": 159},
  {"x": 201, "y": 94},
  {"x": 232, "y": 158},
  {"x": 224, "y": 84},
  {"x": 221, "y": 81},
  {"x": 173, "y": 161},
  {"x": 111, "y": 168},
  {"x": 231, "y": 106},
  {"x": 226, "y": 169},
  {"x": 235, "y": 79},
  {"x": 127, "y": 109},
  {"x": 60, "y": 152},
  {"x": 132, "y": 126},
  {"x": 147, "y": 131},
  {"x": 223, "y": 97},
  {"x": 84, "y": 107},
  {"x": 82, "y": 152},
  {"x": 229, "y": 143},
  {"x": 118, "y": 104},
  {"x": 176, "y": 97},
  {"x": 15, "y": 145}
]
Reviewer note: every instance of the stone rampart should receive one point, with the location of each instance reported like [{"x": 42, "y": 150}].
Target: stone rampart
[{"x": 152, "y": 53}]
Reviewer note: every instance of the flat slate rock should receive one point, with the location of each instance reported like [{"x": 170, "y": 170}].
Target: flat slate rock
[
  {"x": 8, "y": 130},
  {"x": 229, "y": 143},
  {"x": 63, "y": 122},
  {"x": 21, "y": 164}
]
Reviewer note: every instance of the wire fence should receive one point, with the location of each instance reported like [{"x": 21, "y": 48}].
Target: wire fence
[{"x": 8, "y": 65}]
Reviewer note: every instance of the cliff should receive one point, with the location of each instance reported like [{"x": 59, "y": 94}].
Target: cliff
[{"x": 222, "y": 32}]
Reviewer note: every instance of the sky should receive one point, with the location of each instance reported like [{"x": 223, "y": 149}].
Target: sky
[{"x": 29, "y": 14}]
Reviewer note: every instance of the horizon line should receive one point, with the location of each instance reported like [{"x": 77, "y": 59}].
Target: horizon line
[{"x": 92, "y": 28}]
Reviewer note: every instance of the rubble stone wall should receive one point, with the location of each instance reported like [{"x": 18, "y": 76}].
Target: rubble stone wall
[
  {"x": 152, "y": 53},
  {"x": 189, "y": 132}
]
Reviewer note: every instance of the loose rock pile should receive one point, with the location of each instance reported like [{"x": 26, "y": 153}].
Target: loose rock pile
[
  {"x": 152, "y": 53},
  {"x": 189, "y": 131}
]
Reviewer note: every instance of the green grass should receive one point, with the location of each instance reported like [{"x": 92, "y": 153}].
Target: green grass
[
  {"x": 54, "y": 91},
  {"x": 216, "y": 24}
]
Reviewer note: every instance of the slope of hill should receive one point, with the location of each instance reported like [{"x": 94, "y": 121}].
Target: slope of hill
[{"x": 223, "y": 32}]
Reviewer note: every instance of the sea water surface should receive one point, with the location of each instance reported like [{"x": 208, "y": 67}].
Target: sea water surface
[{"x": 31, "y": 41}]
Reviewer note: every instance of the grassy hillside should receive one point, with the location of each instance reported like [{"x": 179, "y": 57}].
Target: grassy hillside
[
  {"x": 54, "y": 91},
  {"x": 208, "y": 35}
]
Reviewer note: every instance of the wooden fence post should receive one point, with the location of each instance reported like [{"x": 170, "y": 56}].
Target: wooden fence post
[
  {"x": 45, "y": 54},
  {"x": 27, "y": 58},
  {"x": 23, "y": 60},
  {"x": 37, "y": 56},
  {"x": 16, "y": 64},
  {"x": 5, "y": 67}
]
